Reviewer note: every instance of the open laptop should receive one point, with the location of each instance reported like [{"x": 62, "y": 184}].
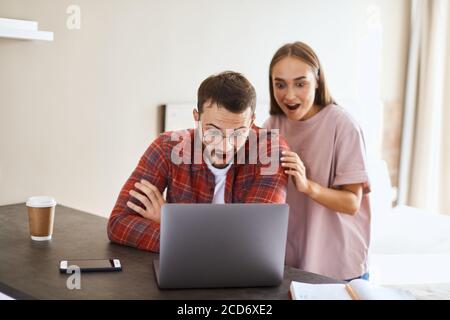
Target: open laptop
[{"x": 221, "y": 245}]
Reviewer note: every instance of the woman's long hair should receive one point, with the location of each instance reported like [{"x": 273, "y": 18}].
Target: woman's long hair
[{"x": 303, "y": 52}]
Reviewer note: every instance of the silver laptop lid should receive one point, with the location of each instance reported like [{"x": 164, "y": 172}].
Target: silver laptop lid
[{"x": 222, "y": 245}]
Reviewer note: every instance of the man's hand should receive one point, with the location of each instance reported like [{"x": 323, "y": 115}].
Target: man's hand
[{"x": 151, "y": 199}]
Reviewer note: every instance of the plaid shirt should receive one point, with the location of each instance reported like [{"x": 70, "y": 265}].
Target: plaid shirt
[{"x": 192, "y": 182}]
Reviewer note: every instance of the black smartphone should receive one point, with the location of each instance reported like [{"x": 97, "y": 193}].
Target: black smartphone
[{"x": 91, "y": 265}]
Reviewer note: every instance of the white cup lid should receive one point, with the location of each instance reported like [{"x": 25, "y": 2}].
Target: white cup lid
[{"x": 41, "y": 202}]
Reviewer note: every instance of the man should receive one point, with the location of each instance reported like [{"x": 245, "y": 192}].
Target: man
[{"x": 223, "y": 160}]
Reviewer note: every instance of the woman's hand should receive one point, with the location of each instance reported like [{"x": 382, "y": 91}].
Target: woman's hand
[
  {"x": 294, "y": 167},
  {"x": 151, "y": 199},
  {"x": 346, "y": 199}
]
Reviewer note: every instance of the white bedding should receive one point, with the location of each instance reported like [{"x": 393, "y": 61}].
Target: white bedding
[
  {"x": 407, "y": 230},
  {"x": 410, "y": 250}
]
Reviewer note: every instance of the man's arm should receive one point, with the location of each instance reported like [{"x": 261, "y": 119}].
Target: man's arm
[
  {"x": 127, "y": 227},
  {"x": 270, "y": 183}
]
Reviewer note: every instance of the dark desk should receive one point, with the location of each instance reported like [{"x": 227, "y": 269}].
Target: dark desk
[{"x": 29, "y": 269}]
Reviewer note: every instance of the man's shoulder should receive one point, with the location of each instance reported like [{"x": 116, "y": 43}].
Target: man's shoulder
[
  {"x": 170, "y": 139},
  {"x": 265, "y": 132},
  {"x": 269, "y": 137},
  {"x": 166, "y": 142},
  {"x": 274, "y": 121}
]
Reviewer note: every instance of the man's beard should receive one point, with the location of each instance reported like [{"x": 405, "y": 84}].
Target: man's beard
[{"x": 218, "y": 158}]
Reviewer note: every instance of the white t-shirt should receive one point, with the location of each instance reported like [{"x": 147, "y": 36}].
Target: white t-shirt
[{"x": 220, "y": 179}]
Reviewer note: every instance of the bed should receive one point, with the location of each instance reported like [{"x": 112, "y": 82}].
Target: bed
[{"x": 410, "y": 248}]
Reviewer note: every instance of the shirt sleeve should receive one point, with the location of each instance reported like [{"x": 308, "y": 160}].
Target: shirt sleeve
[
  {"x": 350, "y": 157},
  {"x": 128, "y": 227},
  {"x": 270, "y": 183}
]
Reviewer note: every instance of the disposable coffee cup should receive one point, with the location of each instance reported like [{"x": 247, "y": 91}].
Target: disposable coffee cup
[{"x": 41, "y": 214}]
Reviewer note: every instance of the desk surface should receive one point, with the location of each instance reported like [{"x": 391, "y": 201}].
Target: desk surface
[{"x": 29, "y": 269}]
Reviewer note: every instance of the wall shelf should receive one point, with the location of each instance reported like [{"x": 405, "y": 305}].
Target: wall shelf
[{"x": 23, "y": 29}]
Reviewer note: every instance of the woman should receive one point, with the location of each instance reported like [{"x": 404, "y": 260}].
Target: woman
[{"x": 329, "y": 221}]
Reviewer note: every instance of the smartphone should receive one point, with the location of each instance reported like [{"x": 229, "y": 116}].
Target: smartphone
[{"x": 91, "y": 265}]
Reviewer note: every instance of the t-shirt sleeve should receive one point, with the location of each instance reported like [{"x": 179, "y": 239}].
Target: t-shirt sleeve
[{"x": 350, "y": 157}]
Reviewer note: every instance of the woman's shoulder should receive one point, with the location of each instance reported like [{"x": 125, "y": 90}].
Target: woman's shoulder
[{"x": 342, "y": 118}]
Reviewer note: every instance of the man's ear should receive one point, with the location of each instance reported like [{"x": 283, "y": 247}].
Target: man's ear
[
  {"x": 253, "y": 119},
  {"x": 196, "y": 115}
]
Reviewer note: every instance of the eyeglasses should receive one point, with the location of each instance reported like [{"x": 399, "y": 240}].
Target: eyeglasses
[{"x": 214, "y": 136}]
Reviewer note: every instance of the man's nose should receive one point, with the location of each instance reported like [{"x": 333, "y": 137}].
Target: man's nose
[{"x": 226, "y": 145}]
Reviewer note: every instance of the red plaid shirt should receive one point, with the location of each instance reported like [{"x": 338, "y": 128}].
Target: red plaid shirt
[{"x": 192, "y": 183}]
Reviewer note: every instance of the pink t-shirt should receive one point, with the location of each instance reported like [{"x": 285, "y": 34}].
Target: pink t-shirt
[{"x": 320, "y": 240}]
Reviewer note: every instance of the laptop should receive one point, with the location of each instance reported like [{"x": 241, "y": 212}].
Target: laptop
[{"x": 221, "y": 245}]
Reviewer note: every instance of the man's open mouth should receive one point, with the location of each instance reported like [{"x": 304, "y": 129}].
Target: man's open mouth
[{"x": 221, "y": 155}]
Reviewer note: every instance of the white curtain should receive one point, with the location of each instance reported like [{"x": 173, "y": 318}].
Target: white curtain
[{"x": 425, "y": 168}]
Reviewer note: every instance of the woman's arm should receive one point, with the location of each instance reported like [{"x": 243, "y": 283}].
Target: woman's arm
[{"x": 347, "y": 199}]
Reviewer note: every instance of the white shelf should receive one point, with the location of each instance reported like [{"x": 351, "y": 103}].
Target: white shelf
[{"x": 23, "y": 29}]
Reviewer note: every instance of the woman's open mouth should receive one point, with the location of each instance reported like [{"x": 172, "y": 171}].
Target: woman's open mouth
[{"x": 293, "y": 106}]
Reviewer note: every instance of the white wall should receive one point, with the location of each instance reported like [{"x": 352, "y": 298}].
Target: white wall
[{"x": 77, "y": 113}]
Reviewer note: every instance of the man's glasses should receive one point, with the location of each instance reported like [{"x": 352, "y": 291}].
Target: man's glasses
[{"x": 214, "y": 136}]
